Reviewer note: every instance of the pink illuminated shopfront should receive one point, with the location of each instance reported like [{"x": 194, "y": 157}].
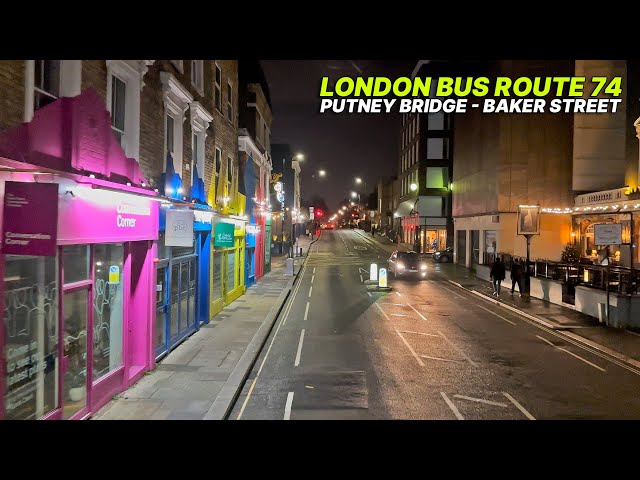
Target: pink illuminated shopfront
[{"x": 78, "y": 288}]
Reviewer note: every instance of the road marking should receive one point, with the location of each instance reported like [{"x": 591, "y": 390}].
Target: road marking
[
  {"x": 420, "y": 333},
  {"x": 499, "y": 316},
  {"x": 314, "y": 270},
  {"x": 573, "y": 354},
  {"x": 313, "y": 277},
  {"x": 440, "y": 358},
  {"x": 396, "y": 304},
  {"x": 306, "y": 311},
  {"x": 413, "y": 352},
  {"x": 455, "y": 293},
  {"x": 482, "y": 400},
  {"x": 383, "y": 312},
  {"x": 361, "y": 279},
  {"x": 308, "y": 386},
  {"x": 359, "y": 247},
  {"x": 399, "y": 315},
  {"x": 284, "y": 319},
  {"x": 360, "y": 269},
  {"x": 520, "y": 407},
  {"x": 458, "y": 349},
  {"x": 297, "y": 362},
  {"x": 310, "y": 290},
  {"x": 398, "y": 293},
  {"x": 633, "y": 333},
  {"x": 452, "y": 406},
  {"x": 369, "y": 293},
  {"x": 287, "y": 406},
  {"x": 421, "y": 316}
]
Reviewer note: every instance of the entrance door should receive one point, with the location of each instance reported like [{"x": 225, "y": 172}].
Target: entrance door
[
  {"x": 162, "y": 310},
  {"x": 76, "y": 325},
  {"x": 475, "y": 248},
  {"x": 461, "y": 256}
]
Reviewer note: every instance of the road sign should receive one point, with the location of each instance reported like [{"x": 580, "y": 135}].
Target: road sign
[
  {"x": 373, "y": 272},
  {"x": 382, "y": 279}
]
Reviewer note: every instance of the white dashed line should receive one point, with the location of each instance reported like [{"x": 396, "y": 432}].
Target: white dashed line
[
  {"x": 313, "y": 277},
  {"x": 421, "y": 316},
  {"x": 482, "y": 400},
  {"x": 452, "y": 406},
  {"x": 306, "y": 311},
  {"x": 299, "y": 353},
  {"x": 310, "y": 290},
  {"x": 287, "y": 407},
  {"x": 520, "y": 407},
  {"x": 413, "y": 352}
]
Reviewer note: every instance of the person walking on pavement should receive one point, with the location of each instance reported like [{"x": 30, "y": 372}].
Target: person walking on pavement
[
  {"x": 516, "y": 276},
  {"x": 498, "y": 274},
  {"x": 373, "y": 230}
]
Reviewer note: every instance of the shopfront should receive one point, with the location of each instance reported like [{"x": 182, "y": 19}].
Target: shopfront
[
  {"x": 428, "y": 238},
  {"x": 252, "y": 232},
  {"x": 227, "y": 262},
  {"x": 182, "y": 275},
  {"x": 267, "y": 244},
  {"x": 78, "y": 315},
  {"x": 616, "y": 246}
]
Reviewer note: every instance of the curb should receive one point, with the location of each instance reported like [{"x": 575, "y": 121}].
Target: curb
[
  {"x": 226, "y": 399},
  {"x": 589, "y": 345}
]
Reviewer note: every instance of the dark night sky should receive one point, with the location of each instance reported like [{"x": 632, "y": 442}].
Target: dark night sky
[{"x": 345, "y": 145}]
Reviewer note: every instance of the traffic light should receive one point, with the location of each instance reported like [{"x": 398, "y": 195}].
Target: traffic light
[{"x": 319, "y": 213}]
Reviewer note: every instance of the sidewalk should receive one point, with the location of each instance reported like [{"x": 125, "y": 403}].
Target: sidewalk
[
  {"x": 622, "y": 344},
  {"x": 200, "y": 378}
]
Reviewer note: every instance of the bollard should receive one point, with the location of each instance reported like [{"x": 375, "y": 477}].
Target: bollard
[{"x": 289, "y": 267}]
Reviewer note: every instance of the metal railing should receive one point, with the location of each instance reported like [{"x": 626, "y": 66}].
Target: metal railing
[{"x": 620, "y": 280}]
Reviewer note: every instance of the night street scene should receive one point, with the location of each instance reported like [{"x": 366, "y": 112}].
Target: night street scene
[{"x": 320, "y": 239}]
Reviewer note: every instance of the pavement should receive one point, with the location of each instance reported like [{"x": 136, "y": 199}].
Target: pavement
[
  {"x": 428, "y": 349},
  {"x": 201, "y": 378}
]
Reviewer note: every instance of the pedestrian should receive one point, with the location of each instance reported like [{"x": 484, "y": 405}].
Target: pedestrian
[
  {"x": 373, "y": 230},
  {"x": 516, "y": 276},
  {"x": 498, "y": 274}
]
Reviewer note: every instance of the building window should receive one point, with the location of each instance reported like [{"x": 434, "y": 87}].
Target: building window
[
  {"x": 197, "y": 79},
  {"x": 437, "y": 177},
  {"x": 229, "y": 174},
  {"x": 46, "y": 87},
  {"x": 118, "y": 111},
  {"x": 169, "y": 135},
  {"x": 200, "y": 121},
  {"x": 176, "y": 101},
  {"x": 218, "y": 164},
  {"x": 177, "y": 64},
  {"x": 436, "y": 121},
  {"x": 196, "y": 152},
  {"x": 230, "y": 102},
  {"x": 217, "y": 89},
  {"x": 437, "y": 148}
]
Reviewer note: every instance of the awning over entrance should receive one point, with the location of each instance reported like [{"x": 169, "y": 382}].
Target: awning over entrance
[{"x": 405, "y": 208}]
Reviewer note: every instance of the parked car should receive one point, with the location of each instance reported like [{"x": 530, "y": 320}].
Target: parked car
[
  {"x": 444, "y": 256},
  {"x": 407, "y": 264}
]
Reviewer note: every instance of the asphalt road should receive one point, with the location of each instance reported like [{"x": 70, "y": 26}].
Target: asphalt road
[{"x": 425, "y": 350}]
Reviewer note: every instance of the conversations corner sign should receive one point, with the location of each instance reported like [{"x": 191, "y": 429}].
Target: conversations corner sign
[
  {"x": 179, "y": 228},
  {"x": 30, "y": 225},
  {"x": 224, "y": 233}
]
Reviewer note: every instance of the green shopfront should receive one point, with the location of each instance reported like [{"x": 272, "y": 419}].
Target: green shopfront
[{"x": 227, "y": 263}]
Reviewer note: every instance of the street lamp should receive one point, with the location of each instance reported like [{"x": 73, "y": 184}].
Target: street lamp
[
  {"x": 322, "y": 173},
  {"x": 413, "y": 187},
  {"x": 358, "y": 180}
]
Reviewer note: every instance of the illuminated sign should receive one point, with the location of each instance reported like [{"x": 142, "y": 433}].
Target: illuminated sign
[
  {"x": 382, "y": 280},
  {"x": 179, "y": 228},
  {"x": 373, "y": 272},
  {"x": 253, "y": 229},
  {"x": 114, "y": 274},
  {"x": 224, "y": 235},
  {"x": 203, "y": 217},
  {"x": 275, "y": 177}
]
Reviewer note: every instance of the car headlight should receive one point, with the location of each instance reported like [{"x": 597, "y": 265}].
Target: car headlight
[
  {"x": 400, "y": 265},
  {"x": 423, "y": 266}
]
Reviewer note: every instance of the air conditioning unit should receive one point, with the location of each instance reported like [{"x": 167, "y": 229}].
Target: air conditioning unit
[{"x": 495, "y": 219}]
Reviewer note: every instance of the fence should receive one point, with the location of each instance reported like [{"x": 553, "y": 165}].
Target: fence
[{"x": 621, "y": 280}]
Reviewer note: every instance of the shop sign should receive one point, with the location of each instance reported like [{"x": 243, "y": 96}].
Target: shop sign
[
  {"x": 30, "y": 225},
  {"x": 114, "y": 275},
  {"x": 203, "y": 216},
  {"x": 528, "y": 220},
  {"x": 311, "y": 213},
  {"x": 254, "y": 229},
  {"x": 607, "y": 233},
  {"x": 224, "y": 234},
  {"x": 382, "y": 278},
  {"x": 179, "y": 228}
]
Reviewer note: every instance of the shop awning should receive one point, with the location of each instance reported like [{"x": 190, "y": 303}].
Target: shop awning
[{"x": 405, "y": 208}]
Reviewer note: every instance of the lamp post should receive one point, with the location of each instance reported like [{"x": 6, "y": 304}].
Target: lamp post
[{"x": 299, "y": 157}]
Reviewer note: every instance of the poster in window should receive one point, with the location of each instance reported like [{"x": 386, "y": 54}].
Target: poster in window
[{"x": 529, "y": 220}]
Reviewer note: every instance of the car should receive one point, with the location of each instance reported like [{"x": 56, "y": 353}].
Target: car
[
  {"x": 408, "y": 263},
  {"x": 329, "y": 226},
  {"x": 443, "y": 256}
]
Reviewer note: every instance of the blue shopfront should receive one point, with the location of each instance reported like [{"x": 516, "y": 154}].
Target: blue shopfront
[
  {"x": 250, "y": 261},
  {"x": 182, "y": 279}
]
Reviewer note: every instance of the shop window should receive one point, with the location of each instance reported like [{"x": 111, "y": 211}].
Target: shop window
[
  {"x": 107, "y": 308},
  {"x": 437, "y": 177},
  {"x": 217, "y": 276},
  {"x": 46, "y": 88},
  {"x": 169, "y": 136},
  {"x": 490, "y": 244},
  {"x": 75, "y": 260},
  {"x": 231, "y": 270},
  {"x": 31, "y": 336}
]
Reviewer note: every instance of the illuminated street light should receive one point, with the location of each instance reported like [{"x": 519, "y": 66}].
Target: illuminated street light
[
  {"x": 413, "y": 187},
  {"x": 352, "y": 204},
  {"x": 299, "y": 156},
  {"x": 341, "y": 213},
  {"x": 344, "y": 207},
  {"x": 354, "y": 194},
  {"x": 358, "y": 180},
  {"x": 322, "y": 173}
]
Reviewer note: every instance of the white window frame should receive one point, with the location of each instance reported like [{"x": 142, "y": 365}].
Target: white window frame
[
  {"x": 197, "y": 76},
  {"x": 218, "y": 85},
  {"x": 70, "y": 83},
  {"x": 123, "y": 132},
  {"x": 200, "y": 121},
  {"x": 229, "y": 104},
  {"x": 176, "y": 101},
  {"x": 131, "y": 72},
  {"x": 178, "y": 64}
]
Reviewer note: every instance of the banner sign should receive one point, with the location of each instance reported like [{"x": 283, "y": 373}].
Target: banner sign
[
  {"x": 179, "y": 228},
  {"x": 223, "y": 235},
  {"x": 30, "y": 221},
  {"x": 607, "y": 233}
]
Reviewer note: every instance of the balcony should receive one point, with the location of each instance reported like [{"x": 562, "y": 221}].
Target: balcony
[{"x": 605, "y": 196}]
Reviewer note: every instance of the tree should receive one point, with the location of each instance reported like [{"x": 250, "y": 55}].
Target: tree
[{"x": 570, "y": 254}]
